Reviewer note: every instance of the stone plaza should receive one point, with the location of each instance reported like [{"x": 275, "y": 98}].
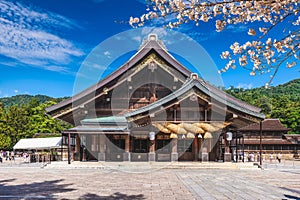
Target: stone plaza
[{"x": 121, "y": 180}]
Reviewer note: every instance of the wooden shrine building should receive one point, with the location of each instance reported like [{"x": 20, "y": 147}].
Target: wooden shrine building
[
  {"x": 274, "y": 139},
  {"x": 152, "y": 108}
]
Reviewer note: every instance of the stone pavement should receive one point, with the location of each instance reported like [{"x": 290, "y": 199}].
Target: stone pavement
[{"x": 124, "y": 181}]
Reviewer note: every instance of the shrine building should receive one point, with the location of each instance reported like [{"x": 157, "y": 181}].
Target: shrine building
[{"x": 153, "y": 108}]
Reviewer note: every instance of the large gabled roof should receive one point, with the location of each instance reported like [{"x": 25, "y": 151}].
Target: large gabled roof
[
  {"x": 151, "y": 45},
  {"x": 207, "y": 89}
]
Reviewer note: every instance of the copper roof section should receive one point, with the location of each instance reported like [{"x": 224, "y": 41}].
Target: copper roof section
[{"x": 267, "y": 125}]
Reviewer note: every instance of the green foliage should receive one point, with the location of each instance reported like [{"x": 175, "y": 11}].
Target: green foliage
[
  {"x": 25, "y": 120},
  {"x": 282, "y": 102},
  {"x": 24, "y": 99}
]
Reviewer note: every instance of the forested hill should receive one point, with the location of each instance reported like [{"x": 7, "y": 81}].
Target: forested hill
[
  {"x": 24, "y": 99},
  {"x": 282, "y": 101},
  {"x": 290, "y": 90}
]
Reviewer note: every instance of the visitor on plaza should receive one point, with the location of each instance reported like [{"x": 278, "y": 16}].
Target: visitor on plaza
[
  {"x": 25, "y": 157},
  {"x": 252, "y": 157},
  {"x": 7, "y": 155},
  {"x": 12, "y": 156},
  {"x": 271, "y": 157},
  {"x": 258, "y": 157},
  {"x": 279, "y": 157}
]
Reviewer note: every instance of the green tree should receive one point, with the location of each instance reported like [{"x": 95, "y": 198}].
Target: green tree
[
  {"x": 4, "y": 139},
  {"x": 41, "y": 123},
  {"x": 17, "y": 121},
  {"x": 24, "y": 121}
]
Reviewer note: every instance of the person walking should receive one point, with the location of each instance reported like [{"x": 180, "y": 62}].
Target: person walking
[
  {"x": 271, "y": 157},
  {"x": 12, "y": 156},
  {"x": 7, "y": 155},
  {"x": 279, "y": 157}
]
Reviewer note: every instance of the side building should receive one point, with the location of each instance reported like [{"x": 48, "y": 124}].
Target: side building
[
  {"x": 275, "y": 139},
  {"x": 152, "y": 108}
]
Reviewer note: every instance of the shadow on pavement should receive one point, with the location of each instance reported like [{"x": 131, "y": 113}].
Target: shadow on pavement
[
  {"x": 37, "y": 190},
  {"x": 7, "y": 180},
  {"x": 291, "y": 197},
  {"x": 116, "y": 195}
]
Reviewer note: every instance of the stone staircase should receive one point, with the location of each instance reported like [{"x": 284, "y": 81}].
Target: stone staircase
[{"x": 148, "y": 166}]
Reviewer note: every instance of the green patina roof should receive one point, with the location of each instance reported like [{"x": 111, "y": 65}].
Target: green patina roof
[{"x": 105, "y": 120}]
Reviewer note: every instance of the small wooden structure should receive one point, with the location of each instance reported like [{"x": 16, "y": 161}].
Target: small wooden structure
[{"x": 42, "y": 148}]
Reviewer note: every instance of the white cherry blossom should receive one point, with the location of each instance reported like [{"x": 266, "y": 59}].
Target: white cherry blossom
[{"x": 262, "y": 54}]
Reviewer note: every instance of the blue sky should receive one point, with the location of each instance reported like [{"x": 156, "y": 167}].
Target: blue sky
[{"x": 43, "y": 44}]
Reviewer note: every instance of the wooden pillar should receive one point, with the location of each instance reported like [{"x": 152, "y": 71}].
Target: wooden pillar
[
  {"x": 102, "y": 141},
  {"x": 236, "y": 146},
  {"x": 69, "y": 148},
  {"x": 200, "y": 148},
  {"x": 227, "y": 154},
  {"x": 174, "y": 154},
  {"x": 127, "y": 143},
  {"x": 260, "y": 143},
  {"x": 174, "y": 145},
  {"x": 131, "y": 144},
  {"x": 244, "y": 149},
  {"x": 196, "y": 148},
  {"x": 61, "y": 147},
  {"x": 151, "y": 155},
  {"x": 152, "y": 146},
  {"x": 126, "y": 154},
  {"x": 77, "y": 146}
]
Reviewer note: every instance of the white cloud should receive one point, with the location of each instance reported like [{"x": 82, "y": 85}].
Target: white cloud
[
  {"x": 154, "y": 30},
  {"x": 97, "y": 66},
  {"x": 26, "y": 36},
  {"x": 137, "y": 38},
  {"x": 202, "y": 36},
  {"x": 245, "y": 85},
  {"x": 162, "y": 34},
  {"x": 107, "y": 54},
  {"x": 237, "y": 28},
  {"x": 16, "y": 91},
  {"x": 57, "y": 69}
]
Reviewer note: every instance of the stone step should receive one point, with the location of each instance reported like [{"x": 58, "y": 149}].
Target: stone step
[{"x": 152, "y": 165}]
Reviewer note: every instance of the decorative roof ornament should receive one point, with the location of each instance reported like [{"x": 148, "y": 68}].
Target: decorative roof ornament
[{"x": 153, "y": 37}]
